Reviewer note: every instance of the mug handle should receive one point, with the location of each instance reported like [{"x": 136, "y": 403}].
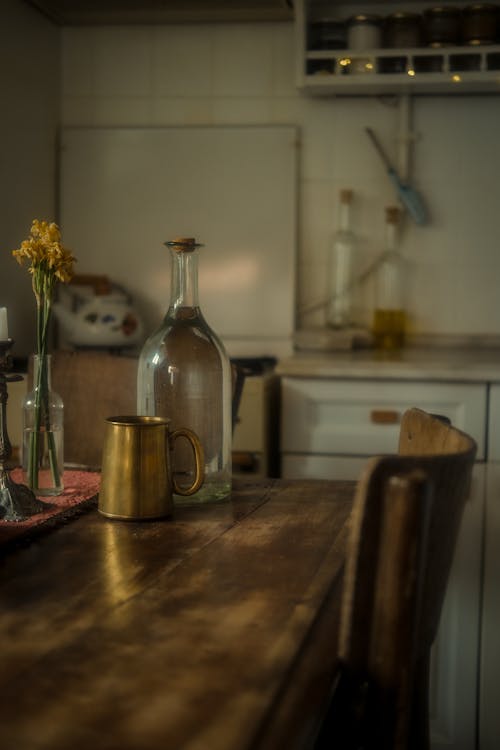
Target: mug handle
[{"x": 199, "y": 461}]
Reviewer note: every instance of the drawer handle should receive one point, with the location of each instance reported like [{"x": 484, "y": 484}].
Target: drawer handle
[
  {"x": 385, "y": 416},
  {"x": 243, "y": 460}
]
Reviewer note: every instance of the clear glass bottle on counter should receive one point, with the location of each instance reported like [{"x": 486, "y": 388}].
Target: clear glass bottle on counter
[
  {"x": 390, "y": 321},
  {"x": 184, "y": 374},
  {"x": 341, "y": 263}
]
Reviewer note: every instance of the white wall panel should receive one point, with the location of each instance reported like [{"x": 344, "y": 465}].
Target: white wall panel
[{"x": 124, "y": 192}]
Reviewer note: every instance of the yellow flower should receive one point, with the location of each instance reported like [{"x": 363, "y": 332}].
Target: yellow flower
[{"x": 45, "y": 253}]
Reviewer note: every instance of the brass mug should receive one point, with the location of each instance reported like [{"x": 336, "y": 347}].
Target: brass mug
[{"x": 137, "y": 481}]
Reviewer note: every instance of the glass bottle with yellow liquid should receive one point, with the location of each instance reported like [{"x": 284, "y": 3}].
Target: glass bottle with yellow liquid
[{"x": 390, "y": 320}]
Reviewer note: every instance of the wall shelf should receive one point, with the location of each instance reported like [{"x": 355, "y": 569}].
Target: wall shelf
[{"x": 463, "y": 69}]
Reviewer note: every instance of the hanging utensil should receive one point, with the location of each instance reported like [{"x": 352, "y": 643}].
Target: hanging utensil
[{"x": 408, "y": 195}]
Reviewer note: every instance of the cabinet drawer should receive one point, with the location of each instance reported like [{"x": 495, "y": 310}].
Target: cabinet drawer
[
  {"x": 362, "y": 418},
  {"x": 494, "y": 424}
]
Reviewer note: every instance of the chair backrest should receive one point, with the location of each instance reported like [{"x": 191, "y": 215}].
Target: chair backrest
[
  {"x": 404, "y": 527},
  {"x": 93, "y": 385}
]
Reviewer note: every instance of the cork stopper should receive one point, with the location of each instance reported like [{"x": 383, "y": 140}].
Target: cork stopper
[
  {"x": 345, "y": 196},
  {"x": 183, "y": 244},
  {"x": 392, "y": 214}
]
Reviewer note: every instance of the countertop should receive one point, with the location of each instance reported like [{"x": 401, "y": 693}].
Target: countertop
[{"x": 452, "y": 364}]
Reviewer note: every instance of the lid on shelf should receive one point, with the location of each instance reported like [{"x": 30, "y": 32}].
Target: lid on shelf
[
  {"x": 442, "y": 10},
  {"x": 364, "y": 18},
  {"x": 479, "y": 7},
  {"x": 403, "y": 15}
]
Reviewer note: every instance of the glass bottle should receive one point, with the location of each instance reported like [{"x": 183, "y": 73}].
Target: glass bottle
[
  {"x": 341, "y": 268},
  {"x": 43, "y": 433},
  {"x": 184, "y": 374},
  {"x": 389, "y": 322}
]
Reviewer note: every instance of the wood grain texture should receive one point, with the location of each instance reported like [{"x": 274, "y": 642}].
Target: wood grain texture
[{"x": 176, "y": 634}]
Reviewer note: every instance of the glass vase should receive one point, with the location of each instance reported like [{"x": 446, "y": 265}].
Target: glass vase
[{"x": 43, "y": 433}]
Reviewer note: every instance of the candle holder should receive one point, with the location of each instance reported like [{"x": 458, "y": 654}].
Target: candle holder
[{"x": 17, "y": 502}]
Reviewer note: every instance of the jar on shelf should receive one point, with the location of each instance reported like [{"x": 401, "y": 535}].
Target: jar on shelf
[
  {"x": 441, "y": 26},
  {"x": 402, "y": 30},
  {"x": 364, "y": 31},
  {"x": 326, "y": 33},
  {"x": 480, "y": 24}
]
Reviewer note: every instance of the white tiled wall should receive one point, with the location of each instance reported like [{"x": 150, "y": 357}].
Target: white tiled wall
[
  {"x": 228, "y": 73},
  {"x": 243, "y": 73}
]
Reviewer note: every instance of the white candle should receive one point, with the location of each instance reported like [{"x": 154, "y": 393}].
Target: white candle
[{"x": 4, "y": 330}]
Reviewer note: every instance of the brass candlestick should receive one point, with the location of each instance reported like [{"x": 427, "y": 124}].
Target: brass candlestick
[{"x": 17, "y": 502}]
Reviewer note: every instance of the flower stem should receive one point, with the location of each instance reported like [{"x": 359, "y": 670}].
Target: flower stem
[{"x": 42, "y": 403}]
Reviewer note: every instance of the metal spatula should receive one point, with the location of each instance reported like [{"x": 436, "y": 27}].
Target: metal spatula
[{"x": 408, "y": 195}]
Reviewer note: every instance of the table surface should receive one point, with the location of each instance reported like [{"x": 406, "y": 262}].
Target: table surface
[{"x": 213, "y": 630}]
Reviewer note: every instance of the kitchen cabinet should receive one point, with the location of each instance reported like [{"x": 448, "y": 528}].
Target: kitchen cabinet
[
  {"x": 332, "y": 423},
  {"x": 376, "y": 71},
  {"x": 342, "y": 417},
  {"x": 489, "y": 717}
]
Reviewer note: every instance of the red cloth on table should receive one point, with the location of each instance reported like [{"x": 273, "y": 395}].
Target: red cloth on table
[{"x": 80, "y": 487}]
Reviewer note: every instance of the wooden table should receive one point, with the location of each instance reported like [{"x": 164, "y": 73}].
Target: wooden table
[{"x": 212, "y": 631}]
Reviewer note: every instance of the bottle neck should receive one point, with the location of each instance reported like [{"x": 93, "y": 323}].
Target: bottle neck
[
  {"x": 391, "y": 237},
  {"x": 184, "y": 283},
  {"x": 344, "y": 217}
]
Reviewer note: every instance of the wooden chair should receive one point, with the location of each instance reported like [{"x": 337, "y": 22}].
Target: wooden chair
[
  {"x": 94, "y": 385},
  {"x": 404, "y": 527}
]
